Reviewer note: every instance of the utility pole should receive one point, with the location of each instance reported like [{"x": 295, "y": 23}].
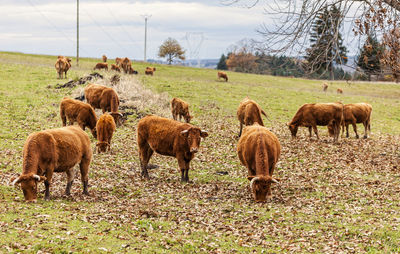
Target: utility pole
[
  {"x": 146, "y": 17},
  {"x": 77, "y": 32}
]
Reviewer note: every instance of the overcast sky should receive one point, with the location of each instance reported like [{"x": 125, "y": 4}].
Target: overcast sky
[{"x": 116, "y": 28}]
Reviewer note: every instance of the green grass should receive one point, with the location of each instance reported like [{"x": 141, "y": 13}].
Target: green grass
[{"x": 333, "y": 197}]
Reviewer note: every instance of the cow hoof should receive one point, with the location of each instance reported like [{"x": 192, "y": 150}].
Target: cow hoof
[
  {"x": 47, "y": 198},
  {"x": 357, "y": 136},
  {"x": 365, "y": 137},
  {"x": 86, "y": 193}
]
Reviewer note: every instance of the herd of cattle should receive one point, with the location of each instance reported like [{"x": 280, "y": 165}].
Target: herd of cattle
[{"x": 59, "y": 150}]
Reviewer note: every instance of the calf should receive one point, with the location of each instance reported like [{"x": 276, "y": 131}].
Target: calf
[
  {"x": 104, "y": 57},
  {"x": 223, "y": 75},
  {"x": 54, "y": 150},
  {"x": 150, "y": 70},
  {"x": 100, "y": 66},
  {"x": 357, "y": 113},
  {"x": 180, "y": 108},
  {"x": 62, "y": 65},
  {"x": 322, "y": 114},
  {"x": 115, "y": 67},
  {"x": 105, "y": 129},
  {"x": 168, "y": 137},
  {"x": 80, "y": 112},
  {"x": 248, "y": 113},
  {"x": 339, "y": 91},
  {"x": 325, "y": 87},
  {"x": 259, "y": 149},
  {"x": 105, "y": 98}
]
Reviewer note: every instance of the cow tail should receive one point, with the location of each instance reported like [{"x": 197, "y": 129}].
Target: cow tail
[
  {"x": 114, "y": 103},
  {"x": 260, "y": 157},
  {"x": 265, "y": 114}
]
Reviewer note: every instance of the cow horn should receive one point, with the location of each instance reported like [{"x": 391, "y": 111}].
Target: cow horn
[
  {"x": 36, "y": 177},
  {"x": 15, "y": 181},
  {"x": 185, "y": 131},
  {"x": 252, "y": 182},
  {"x": 274, "y": 180}
]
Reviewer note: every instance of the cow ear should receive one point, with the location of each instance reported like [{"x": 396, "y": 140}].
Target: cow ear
[
  {"x": 203, "y": 134},
  {"x": 185, "y": 133}
]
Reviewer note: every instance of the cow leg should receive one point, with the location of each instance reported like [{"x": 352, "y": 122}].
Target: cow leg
[
  {"x": 145, "y": 154},
  {"x": 309, "y": 130},
  {"x": 49, "y": 175},
  {"x": 84, "y": 168},
  {"x": 70, "y": 179},
  {"x": 315, "y": 130},
  {"x": 347, "y": 130},
  {"x": 184, "y": 167},
  {"x": 365, "y": 129},
  {"x": 65, "y": 74},
  {"x": 355, "y": 129},
  {"x": 241, "y": 127},
  {"x": 63, "y": 118}
]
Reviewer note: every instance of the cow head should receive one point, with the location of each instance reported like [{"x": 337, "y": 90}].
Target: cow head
[
  {"x": 188, "y": 118},
  {"x": 193, "y": 136},
  {"x": 293, "y": 129},
  {"x": 331, "y": 130},
  {"x": 118, "y": 118},
  {"x": 102, "y": 146},
  {"x": 260, "y": 187},
  {"x": 94, "y": 132},
  {"x": 29, "y": 185}
]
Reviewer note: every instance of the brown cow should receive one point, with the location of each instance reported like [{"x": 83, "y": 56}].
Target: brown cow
[
  {"x": 105, "y": 129},
  {"x": 325, "y": 87},
  {"x": 115, "y": 67},
  {"x": 248, "y": 113},
  {"x": 223, "y": 75},
  {"x": 80, "y": 112},
  {"x": 168, "y": 137},
  {"x": 180, "y": 108},
  {"x": 54, "y": 150},
  {"x": 105, "y": 98},
  {"x": 125, "y": 64},
  {"x": 357, "y": 113},
  {"x": 150, "y": 70},
  {"x": 63, "y": 64},
  {"x": 339, "y": 91},
  {"x": 104, "y": 57},
  {"x": 322, "y": 114},
  {"x": 100, "y": 66},
  {"x": 259, "y": 149}
]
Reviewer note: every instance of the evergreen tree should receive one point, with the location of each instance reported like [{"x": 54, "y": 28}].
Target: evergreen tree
[
  {"x": 222, "y": 63},
  {"x": 369, "y": 58},
  {"x": 326, "y": 42}
]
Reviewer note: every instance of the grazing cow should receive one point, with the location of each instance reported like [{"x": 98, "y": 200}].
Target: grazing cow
[
  {"x": 223, "y": 75},
  {"x": 325, "y": 87},
  {"x": 322, "y": 114},
  {"x": 125, "y": 64},
  {"x": 357, "y": 113},
  {"x": 180, "y": 108},
  {"x": 105, "y": 98},
  {"x": 339, "y": 91},
  {"x": 115, "y": 67},
  {"x": 63, "y": 64},
  {"x": 248, "y": 113},
  {"x": 259, "y": 149},
  {"x": 100, "y": 66},
  {"x": 54, "y": 150},
  {"x": 80, "y": 112},
  {"x": 150, "y": 70},
  {"x": 104, "y": 57},
  {"x": 105, "y": 129},
  {"x": 118, "y": 61},
  {"x": 168, "y": 137}
]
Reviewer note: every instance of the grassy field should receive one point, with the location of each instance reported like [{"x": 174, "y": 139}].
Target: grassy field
[{"x": 333, "y": 197}]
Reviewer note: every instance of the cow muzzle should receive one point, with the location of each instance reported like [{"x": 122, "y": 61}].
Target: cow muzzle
[{"x": 194, "y": 150}]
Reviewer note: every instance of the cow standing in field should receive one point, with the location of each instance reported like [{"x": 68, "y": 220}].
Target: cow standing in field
[
  {"x": 223, "y": 75},
  {"x": 339, "y": 91},
  {"x": 105, "y": 98},
  {"x": 150, "y": 70},
  {"x": 248, "y": 113},
  {"x": 100, "y": 66},
  {"x": 168, "y": 137},
  {"x": 115, "y": 67},
  {"x": 62, "y": 65},
  {"x": 325, "y": 87},
  {"x": 125, "y": 64},
  {"x": 80, "y": 112},
  {"x": 322, "y": 114},
  {"x": 357, "y": 113},
  {"x": 105, "y": 129},
  {"x": 180, "y": 108},
  {"x": 54, "y": 150},
  {"x": 104, "y": 57},
  {"x": 259, "y": 149}
]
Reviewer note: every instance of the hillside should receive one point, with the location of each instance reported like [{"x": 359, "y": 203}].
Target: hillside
[{"x": 332, "y": 197}]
